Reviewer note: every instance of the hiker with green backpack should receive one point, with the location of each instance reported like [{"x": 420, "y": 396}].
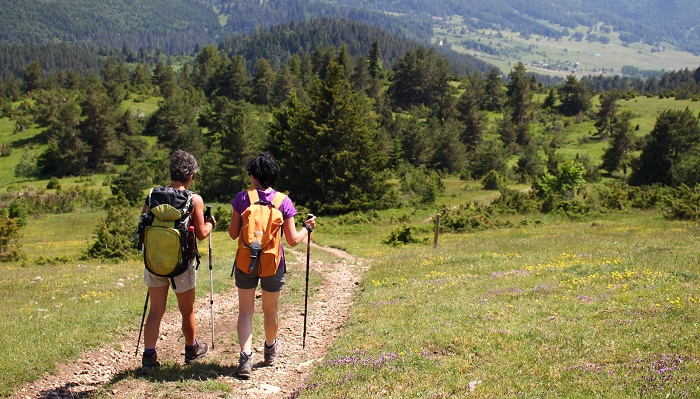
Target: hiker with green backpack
[
  {"x": 172, "y": 220},
  {"x": 259, "y": 217}
]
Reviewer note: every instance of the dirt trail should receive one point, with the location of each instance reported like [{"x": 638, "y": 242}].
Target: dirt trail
[{"x": 114, "y": 371}]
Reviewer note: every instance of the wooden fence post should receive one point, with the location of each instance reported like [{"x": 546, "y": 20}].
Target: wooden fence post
[{"x": 437, "y": 230}]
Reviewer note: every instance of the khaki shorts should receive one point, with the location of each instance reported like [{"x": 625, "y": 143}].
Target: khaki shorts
[{"x": 184, "y": 282}]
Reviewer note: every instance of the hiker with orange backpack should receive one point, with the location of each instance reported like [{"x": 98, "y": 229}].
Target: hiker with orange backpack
[
  {"x": 164, "y": 249},
  {"x": 260, "y": 215}
]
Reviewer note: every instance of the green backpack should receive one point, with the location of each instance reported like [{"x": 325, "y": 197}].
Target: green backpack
[{"x": 167, "y": 242}]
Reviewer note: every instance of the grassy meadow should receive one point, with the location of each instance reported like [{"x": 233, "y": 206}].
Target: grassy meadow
[{"x": 605, "y": 306}]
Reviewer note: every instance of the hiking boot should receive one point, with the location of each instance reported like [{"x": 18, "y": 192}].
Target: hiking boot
[
  {"x": 195, "y": 352},
  {"x": 148, "y": 363},
  {"x": 245, "y": 366},
  {"x": 271, "y": 352}
]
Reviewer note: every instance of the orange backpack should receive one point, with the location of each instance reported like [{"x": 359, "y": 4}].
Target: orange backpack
[{"x": 261, "y": 236}]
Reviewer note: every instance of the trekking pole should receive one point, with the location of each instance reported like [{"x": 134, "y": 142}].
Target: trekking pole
[
  {"x": 143, "y": 316},
  {"x": 306, "y": 296},
  {"x": 211, "y": 282}
]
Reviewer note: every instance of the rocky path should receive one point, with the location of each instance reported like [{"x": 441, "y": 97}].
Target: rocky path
[{"x": 114, "y": 370}]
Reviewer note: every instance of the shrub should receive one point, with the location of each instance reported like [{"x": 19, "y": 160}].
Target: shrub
[
  {"x": 469, "y": 217},
  {"x": 514, "y": 201},
  {"x": 223, "y": 218},
  {"x": 684, "y": 204},
  {"x": 53, "y": 184},
  {"x": 494, "y": 181},
  {"x": 402, "y": 235},
  {"x": 132, "y": 183},
  {"x": 422, "y": 183},
  {"x": 10, "y": 237},
  {"x": 114, "y": 233},
  {"x": 17, "y": 210},
  {"x": 357, "y": 217}
]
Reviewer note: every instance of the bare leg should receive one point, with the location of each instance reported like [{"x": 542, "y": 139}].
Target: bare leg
[
  {"x": 270, "y": 300},
  {"x": 185, "y": 302},
  {"x": 246, "y": 308},
  {"x": 159, "y": 298}
]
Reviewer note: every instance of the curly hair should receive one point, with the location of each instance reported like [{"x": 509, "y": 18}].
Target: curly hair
[
  {"x": 265, "y": 169},
  {"x": 182, "y": 165}
]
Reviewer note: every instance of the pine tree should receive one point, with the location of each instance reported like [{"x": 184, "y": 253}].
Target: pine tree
[
  {"x": 283, "y": 86},
  {"x": 574, "y": 97},
  {"x": 470, "y": 115},
  {"x": 494, "y": 95},
  {"x": 232, "y": 80},
  {"x": 228, "y": 123},
  {"x": 607, "y": 113},
  {"x": 550, "y": 101},
  {"x": 330, "y": 145},
  {"x": 165, "y": 79},
  {"x": 519, "y": 94},
  {"x": 206, "y": 66},
  {"x": 67, "y": 152},
  {"x": 175, "y": 124},
  {"x": 674, "y": 134},
  {"x": 263, "y": 82},
  {"x": 622, "y": 144},
  {"x": 100, "y": 117}
]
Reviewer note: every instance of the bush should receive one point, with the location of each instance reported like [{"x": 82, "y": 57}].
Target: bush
[
  {"x": 683, "y": 204},
  {"x": 53, "y": 184},
  {"x": 10, "y": 237},
  {"x": 469, "y": 217},
  {"x": 17, "y": 210},
  {"x": 61, "y": 201},
  {"x": 223, "y": 218},
  {"x": 357, "y": 217},
  {"x": 133, "y": 182},
  {"x": 423, "y": 184},
  {"x": 514, "y": 201},
  {"x": 494, "y": 181},
  {"x": 114, "y": 233},
  {"x": 402, "y": 235}
]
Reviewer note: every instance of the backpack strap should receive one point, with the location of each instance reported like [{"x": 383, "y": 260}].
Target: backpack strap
[
  {"x": 277, "y": 200},
  {"x": 148, "y": 199},
  {"x": 253, "y": 196}
]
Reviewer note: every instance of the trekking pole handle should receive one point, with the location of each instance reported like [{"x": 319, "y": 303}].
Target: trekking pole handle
[
  {"x": 207, "y": 213},
  {"x": 308, "y": 216}
]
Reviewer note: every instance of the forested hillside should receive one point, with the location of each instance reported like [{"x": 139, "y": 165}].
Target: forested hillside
[
  {"x": 170, "y": 25},
  {"x": 280, "y": 42},
  {"x": 275, "y": 44},
  {"x": 246, "y": 16}
]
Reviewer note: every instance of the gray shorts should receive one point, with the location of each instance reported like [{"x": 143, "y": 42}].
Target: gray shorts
[
  {"x": 184, "y": 282},
  {"x": 269, "y": 283}
]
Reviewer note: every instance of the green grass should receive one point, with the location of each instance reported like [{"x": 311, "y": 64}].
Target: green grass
[
  {"x": 604, "y": 308},
  {"x": 16, "y": 141},
  {"x": 144, "y": 104}
]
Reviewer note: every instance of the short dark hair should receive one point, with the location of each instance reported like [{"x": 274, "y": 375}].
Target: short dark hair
[
  {"x": 182, "y": 164},
  {"x": 265, "y": 169}
]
